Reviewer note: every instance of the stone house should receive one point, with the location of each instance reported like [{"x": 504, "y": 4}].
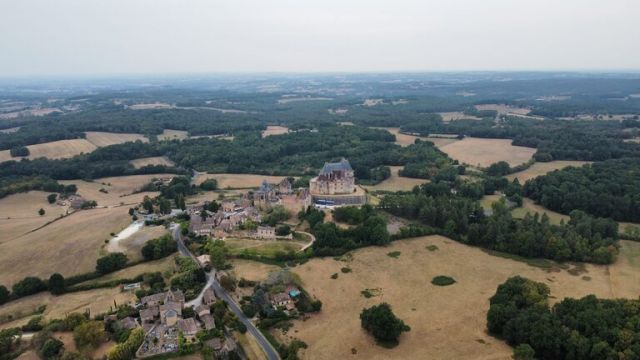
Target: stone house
[{"x": 266, "y": 233}]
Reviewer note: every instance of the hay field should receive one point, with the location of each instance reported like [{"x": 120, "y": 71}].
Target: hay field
[
  {"x": 252, "y": 270},
  {"x": 156, "y": 160},
  {"x": 101, "y": 139},
  {"x": 446, "y": 322},
  {"x": 162, "y": 265},
  {"x": 148, "y": 106},
  {"x": 484, "y": 152},
  {"x": 133, "y": 244},
  {"x": 19, "y": 213},
  {"x": 97, "y": 301},
  {"x": 69, "y": 246},
  {"x": 406, "y": 140},
  {"x": 274, "y": 130},
  {"x": 396, "y": 182},
  {"x": 168, "y": 134},
  {"x": 456, "y": 115},
  {"x": 238, "y": 181},
  {"x": 504, "y": 109},
  {"x": 542, "y": 168},
  {"x": 119, "y": 189},
  {"x": 61, "y": 149}
]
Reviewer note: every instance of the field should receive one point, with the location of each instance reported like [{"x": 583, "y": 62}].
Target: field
[
  {"x": 156, "y": 105},
  {"x": 10, "y": 130},
  {"x": 274, "y": 130},
  {"x": 168, "y": 134},
  {"x": 157, "y": 160},
  {"x": 252, "y": 270},
  {"x": 261, "y": 247},
  {"x": 504, "y": 109},
  {"x": 97, "y": 301},
  {"x": 101, "y": 139},
  {"x": 446, "y": 322},
  {"x": 238, "y": 181},
  {"x": 162, "y": 265},
  {"x": 484, "y": 152},
  {"x": 54, "y": 150},
  {"x": 396, "y": 182},
  {"x": 528, "y": 206},
  {"x": 456, "y": 115},
  {"x": 120, "y": 189},
  {"x": 69, "y": 246},
  {"x": 19, "y": 213},
  {"x": 542, "y": 168},
  {"x": 133, "y": 244},
  {"x": 406, "y": 140}
]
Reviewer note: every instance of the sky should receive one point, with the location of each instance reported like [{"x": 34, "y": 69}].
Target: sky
[{"x": 101, "y": 37}]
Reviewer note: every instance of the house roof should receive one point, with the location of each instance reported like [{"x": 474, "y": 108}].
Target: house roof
[
  {"x": 202, "y": 308},
  {"x": 209, "y": 296},
  {"x": 152, "y": 298},
  {"x": 149, "y": 313},
  {"x": 208, "y": 321},
  {"x": 171, "y": 306},
  {"x": 187, "y": 326},
  {"x": 215, "y": 343},
  {"x": 342, "y": 165},
  {"x": 280, "y": 297}
]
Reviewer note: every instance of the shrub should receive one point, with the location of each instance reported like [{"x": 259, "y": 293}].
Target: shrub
[
  {"x": 4, "y": 294},
  {"x": 334, "y": 276},
  {"x": 19, "y": 151},
  {"x": 380, "y": 322},
  {"x": 51, "y": 349},
  {"x": 51, "y": 198},
  {"x": 89, "y": 334},
  {"x": 56, "y": 284},
  {"x": 111, "y": 263},
  {"x": 442, "y": 280},
  {"x": 394, "y": 254},
  {"x": 209, "y": 185},
  {"x": 28, "y": 286},
  {"x": 346, "y": 270}
]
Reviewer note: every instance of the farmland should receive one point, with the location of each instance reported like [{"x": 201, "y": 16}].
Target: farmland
[
  {"x": 446, "y": 322},
  {"x": 133, "y": 244},
  {"x": 484, "y": 152},
  {"x": 406, "y": 140},
  {"x": 169, "y": 134},
  {"x": 54, "y": 150},
  {"x": 156, "y": 160},
  {"x": 542, "y": 168},
  {"x": 119, "y": 189},
  {"x": 19, "y": 214},
  {"x": 101, "y": 139},
  {"x": 396, "y": 182},
  {"x": 274, "y": 130},
  {"x": 237, "y": 181}
]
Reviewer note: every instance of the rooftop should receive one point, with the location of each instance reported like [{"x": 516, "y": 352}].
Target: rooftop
[{"x": 342, "y": 165}]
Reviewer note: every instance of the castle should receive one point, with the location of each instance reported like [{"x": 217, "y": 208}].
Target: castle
[{"x": 334, "y": 179}]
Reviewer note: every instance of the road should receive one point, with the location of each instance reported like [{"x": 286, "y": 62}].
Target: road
[
  {"x": 313, "y": 239},
  {"x": 221, "y": 293}
]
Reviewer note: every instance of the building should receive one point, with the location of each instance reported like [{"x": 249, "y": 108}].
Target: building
[
  {"x": 280, "y": 299},
  {"x": 175, "y": 297},
  {"x": 202, "y": 310},
  {"x": 170, "y": 312},
  {"x": 129, "y": 323},
  {"x": 149, "y": 314},
  {"x": 209, "y": 297},
  {"x": 265, "y": 196},
  {"x": 284, "y": 187},
  {"x": 296, "y": 201},
  {"x": 334, "y": 179},
  {"x": 188, "y": 327},
  {"x": 208, "y": 322},
  {"x": 266, "y": 233},
  {"x": 152, "y": 300},
  {"x": 204, "y": 260}
]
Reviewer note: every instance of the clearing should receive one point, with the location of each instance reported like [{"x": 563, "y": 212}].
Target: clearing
[
  {"x": 456, "y": 115},
  {"x": 267, "y": 248},
  {"x": 156, "y": 105},
  {"x": 132, "y": 245},
  {"x": 69, "y": 246},
  {"x": 167, "y": 264},
  {"x": 156, "y": 160},
  {"x": 238, "y": 181},
  {"x": 542, "y": 168},
  {"x": 61, "y": 149},
  {"x": 396, "y": 182},
  {"x": 446, "y": 322},
  {"x": 406, "y": 140},
  {"x": 484, "y": 152},
  {"x": 101, "y": 139},
  {"x": 528, "y": 206},
  {"x": 117, "y": 190},
  {"x": 168, "y": 134},
  {"x": 252, "y": 270},
  {"x": 275, "y": 130},
  {"x": 19, "y": 213},
  {"x": 504, "y": 109}
]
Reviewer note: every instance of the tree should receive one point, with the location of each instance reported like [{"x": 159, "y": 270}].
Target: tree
[
  {"x": 4, "y": 294},
  {"x": 89, "y": 334},
  {"x": 523, "y": 352},
  {"x": 111, "y": 263},
  {"x": 127, "y": 350},
  {"x": 51, "y": 198},
  {"x": 56, "y": 284},
  {"x": 218, "y": 252},
  {"x": 74, "y": 320},
  {"x": 380, "y": 321},
  {"x": 209, "y": 185},
  {"x": 41, "y": 212},
  {"x": 164, "y": 205},
  {"x": 28, "y": 286},
  {"x": 283, "y": 230},
  {"x": 51, "y": 348},
  {"x": 147, "y": 204}
]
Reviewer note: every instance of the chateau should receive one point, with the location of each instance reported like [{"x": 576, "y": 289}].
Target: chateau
[{"x": 334, "y": 179}]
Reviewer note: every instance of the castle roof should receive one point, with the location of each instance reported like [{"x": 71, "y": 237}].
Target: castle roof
[{"x": 342, "y": 165}]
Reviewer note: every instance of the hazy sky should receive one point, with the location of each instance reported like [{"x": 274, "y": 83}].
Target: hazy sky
[{"x": 61, "y": 37}]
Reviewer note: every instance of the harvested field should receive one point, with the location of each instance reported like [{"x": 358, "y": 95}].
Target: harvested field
[
  {"x": 120, "y": 189},
  {"x": 484, "y": 152},
  {"x": 61, "y": 149},
  {"x": 528, "y": 206},
  {"x": 542, "y": 168},
  {"x": 101, "y": 139},
  {"x": 97, "y": 301},
  {"x": 238, "y": 181},
  {"x": 286, "y": 100},
  {"x": 456, "y": 115},
  {"x": 156, "y": 105},
  {"x": 168, "y": 134},
  {"x": 19, "y": 213},
  {"x": 162, "y": 265},
  {"x": 69, "y": 246},
  {"x": 157, "y": 160},
  {"x": 274, "y": 130},
  {"x": 396, "y": 182},
  {"x": 446, "y": 322},
  {"x": 406, "y": 140},
  {"x": 504, "y": 109},
  {"x": 133, "y": 244},
  {"x": 204, "y": 196},
  {"x": 252, "y": 270}
]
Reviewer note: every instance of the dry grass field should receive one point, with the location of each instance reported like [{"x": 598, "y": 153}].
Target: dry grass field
[
  {"x": 157, "y": 160},
  {"x": 252, "y": 270},
  {"x": 54, "y": 150},
  {"x": 167, "y": 264},
  {"x": 456, "y": 115},
  {"x": 396, "y": 182},
  {"x": 446, "y": 322},
  {"x": 101, "y": 139},
  {"x": 69, "y": 246},
  {"x": 542, "y": 168},
  {"x": 97, "y": 301},
  {"x": 484, "y": 152},
  {"x": 406, "y": 140},
  {"x": 528, "y": 206},
  {"x": 156, "y": 105},
  {"x": 274, "y": 130},
  {"x": 19, "y": 213},
  {"x": 119, "y": 189},
  {"x": 238, "y": 181},
  {"x": 504, "y": 109},
  {"x": 133, "y": 244},
  {"x": 168, "y": 134}
]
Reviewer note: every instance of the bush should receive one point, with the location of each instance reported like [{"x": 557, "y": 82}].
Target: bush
[
  {"x": 380, "y": 321},
  {"x": 159, "y": 248},
  {"x": 89, "y": 334},
  {"x": 19, "y": 151},
  {"x": 442, "y": 280},
  {"x": 51, "y": 349},
  {"x": 111, "y": 263},
  {"x": 34, "y": 324},
  {"x": 249, "y": 310},
  {"x": 28, "y": 286},
  {"x": 51, "y": 198},
  {"x": 56, "y": 284},
  {"x": 4, "y": 294},
  {"x": 345, "y": 270},
  {"x": 209, "y": 185},
  {"x": 283, "y": 230}
]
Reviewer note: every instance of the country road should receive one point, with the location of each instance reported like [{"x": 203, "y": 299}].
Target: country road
[{"x": 266, "y": 346}]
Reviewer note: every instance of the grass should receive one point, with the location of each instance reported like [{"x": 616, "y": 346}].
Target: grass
[
  {"x": 275, "y": 130},
  {"x": 432, "y": 247},
  {"x": 484, "y": 152},
  {"x": 61, "y": 149},
  {"x": 528, "y": 206},
  {"x": 101, "y": 139},
  {"x": 396, "y": 182},
  {"x": 157, "y": 160},
  {"x": 261, "y": 247},
  {"x": 542, "y": 168},
  {"x": 238, "y": 181},
  {"x": 394, "y": 254},
  {"x": 442, "y": 280}
]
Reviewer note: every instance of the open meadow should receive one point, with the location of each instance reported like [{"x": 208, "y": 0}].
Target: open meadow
[
  {"x": 61, "y": 149},
  {"x": 446, "y": 322},
  {"x": 156, "y": 160},
  {"x": 267, "y": 248},
  {"x": 484, "y": 152},
  {"x": 69, "y": 246},
  {"x": 456, "y": 115},
  {"x": 101, "y": 139},
  {"x": 237, "y": 181},
  {"x": 406, "y": 139},
  {"x": 396, "y": 182},
  {"x": 274, "y": 130},
  {"x": 168, "y": 134},
  {"x": 19, "y": 213},
  {"x": 116, "y": 190},
  {"x": 133, "y": 244},
  {"x": 542, "y": 168}
]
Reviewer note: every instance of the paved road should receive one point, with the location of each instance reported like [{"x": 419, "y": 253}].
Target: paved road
[{"x": 221, "y": 293}]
